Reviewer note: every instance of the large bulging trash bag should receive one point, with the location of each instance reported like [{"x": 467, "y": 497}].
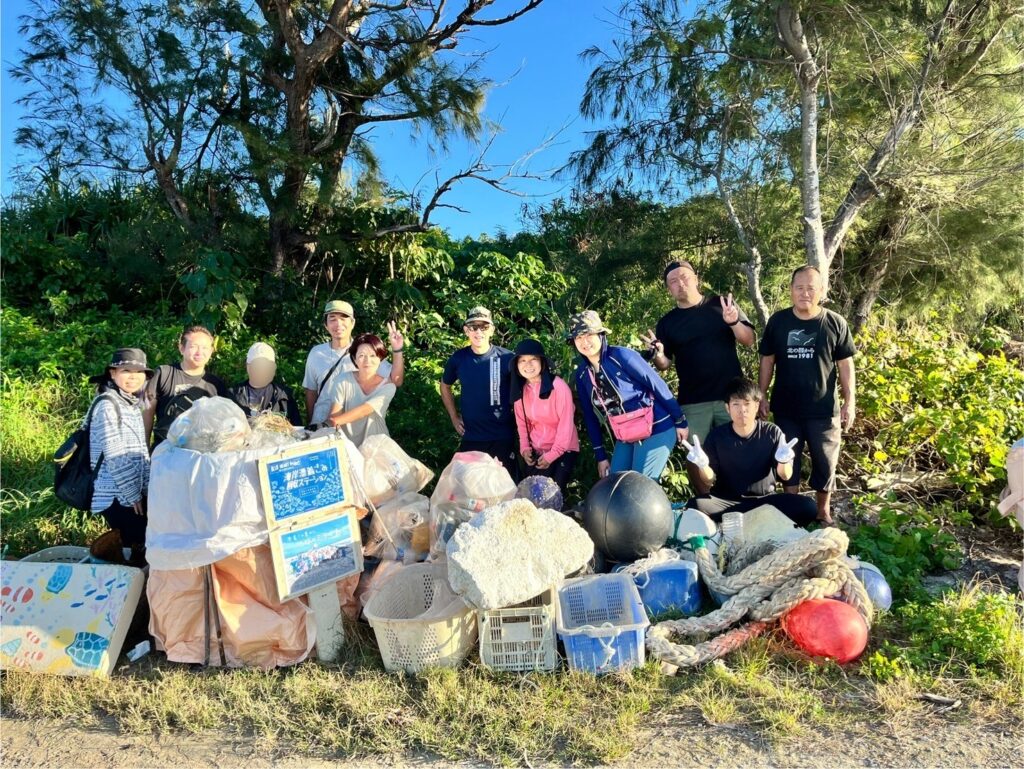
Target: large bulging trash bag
[
  {"x": 473, "y": 481},
  {"x": 392, "y": 525},
  {"x": 256, "y": 629},
  {"x": 204, "y": 507},
  {"x": 210, "y": 424},
  {"x": 389, "y": 472}
]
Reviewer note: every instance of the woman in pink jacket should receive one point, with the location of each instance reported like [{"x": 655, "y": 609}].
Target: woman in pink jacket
[{"x": 542, "y": 404}]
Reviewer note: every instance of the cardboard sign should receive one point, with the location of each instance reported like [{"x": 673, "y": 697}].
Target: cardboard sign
[
  {"x": 311, "y": 516},
  {"x": 68, "y": 619}
]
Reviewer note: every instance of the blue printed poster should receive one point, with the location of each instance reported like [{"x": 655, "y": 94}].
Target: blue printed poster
[
  {"x": 318, "y": 554},
  {"x": 305, "y": 483}
]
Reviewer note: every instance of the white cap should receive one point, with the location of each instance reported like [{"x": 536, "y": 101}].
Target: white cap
[{"x": 260, "y": 350}]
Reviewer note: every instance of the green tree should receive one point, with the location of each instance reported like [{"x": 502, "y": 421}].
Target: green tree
[
  {"x": 826, "y": 98},
  {"x": 273, "y": 102}
]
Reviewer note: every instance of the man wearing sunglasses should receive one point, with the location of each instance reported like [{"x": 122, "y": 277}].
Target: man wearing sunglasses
[{"x": 482, "y": 371}]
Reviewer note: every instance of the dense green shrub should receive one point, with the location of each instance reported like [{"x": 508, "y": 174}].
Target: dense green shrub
[
  {"x": 968, "y": 633},
  {"x": 908, "y": 542},
  {"x": 931, "y": 401}
]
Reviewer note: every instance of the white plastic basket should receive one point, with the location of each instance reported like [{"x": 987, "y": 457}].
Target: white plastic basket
[
  {"x": 419, "y": 621},
  {"x": 520, "y": 637},
  {"x": 59, "y": 554}
]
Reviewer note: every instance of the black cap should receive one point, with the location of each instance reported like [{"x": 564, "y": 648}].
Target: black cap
[{"x": 676, "y": 264}]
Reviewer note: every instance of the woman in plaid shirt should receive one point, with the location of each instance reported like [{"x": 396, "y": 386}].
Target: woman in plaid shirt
[{"x": 117, "y": 446}]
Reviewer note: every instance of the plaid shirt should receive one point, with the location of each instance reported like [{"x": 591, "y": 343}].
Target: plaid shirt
[{"x": 117, "y": 432}]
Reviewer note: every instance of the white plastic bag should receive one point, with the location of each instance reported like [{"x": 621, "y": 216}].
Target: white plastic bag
[
  {"x": 389, "y": 471},
  {"x": 473, "y": 481},
  {"x": 210, "y": 424},
  {"x": 390, "y": 535}
]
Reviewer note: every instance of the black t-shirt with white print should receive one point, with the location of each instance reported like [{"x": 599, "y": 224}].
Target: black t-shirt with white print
[
  {"x": 806, "y": 353},
  {"x": 174, "y": 392}
]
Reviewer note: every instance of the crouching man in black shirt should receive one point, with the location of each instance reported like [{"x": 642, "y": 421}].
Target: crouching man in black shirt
[{"x": 739, "y": 462}]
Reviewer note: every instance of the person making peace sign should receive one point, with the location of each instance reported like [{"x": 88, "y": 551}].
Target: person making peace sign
[{"x": 700, "y": 334}]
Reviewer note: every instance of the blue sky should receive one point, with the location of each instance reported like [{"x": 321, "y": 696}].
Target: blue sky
[{"x": 536, "y": 63}]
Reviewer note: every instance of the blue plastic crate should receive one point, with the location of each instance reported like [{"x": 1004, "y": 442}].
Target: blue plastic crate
[{"x": 602, "y": 623}]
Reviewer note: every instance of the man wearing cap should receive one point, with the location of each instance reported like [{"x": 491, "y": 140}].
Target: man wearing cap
[
  {"x": 482, "y": 371},
  {"x": 326, "y": 361},
  {"x": 700, "y": 333},
  {"x": 175, "y": 387},
  {"x": 261, "y": 393}
]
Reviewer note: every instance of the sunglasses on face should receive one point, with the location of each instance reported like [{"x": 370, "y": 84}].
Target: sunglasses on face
[{"x": 478, "y": 327}]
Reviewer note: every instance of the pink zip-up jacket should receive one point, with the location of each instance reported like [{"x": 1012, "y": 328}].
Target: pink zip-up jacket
[{"x": 547, "y": 424}]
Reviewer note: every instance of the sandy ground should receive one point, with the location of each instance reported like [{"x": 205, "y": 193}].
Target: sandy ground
[{"x": 678, "y": 740}]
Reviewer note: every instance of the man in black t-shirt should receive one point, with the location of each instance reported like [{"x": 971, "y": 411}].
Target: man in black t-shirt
[
  {"x": 700, "y": 334},
  {"x": 739, "y": 462},
  {"x": 174, "y": 388},
  {"x": 808, "y": 349}
]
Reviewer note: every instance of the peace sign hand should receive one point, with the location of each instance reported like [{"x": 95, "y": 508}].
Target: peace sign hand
[
  {"x": 395, "y": 337},
  {"x": 730, "y": 312},
  {"x": 696, "y": 454},
  {"x": 784, "y": 453},
  {"x": 652, "y": 342}
]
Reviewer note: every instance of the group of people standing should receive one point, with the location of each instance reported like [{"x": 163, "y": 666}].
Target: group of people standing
[
  {"x": 513, "y": 406},
  {"x": 348, "y": 384}
]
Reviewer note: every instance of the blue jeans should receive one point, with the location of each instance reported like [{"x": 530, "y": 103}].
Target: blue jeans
[{"x": 647, "y": 456}]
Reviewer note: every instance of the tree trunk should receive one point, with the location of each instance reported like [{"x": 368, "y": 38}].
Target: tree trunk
[
  {"x": 808, "y": 75},
  {"x": 885, "y": 241},
  {"x": 753, "y": 266}
]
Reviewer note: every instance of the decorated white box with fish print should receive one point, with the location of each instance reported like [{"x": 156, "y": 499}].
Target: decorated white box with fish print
[{"x": 67, "y": 619}]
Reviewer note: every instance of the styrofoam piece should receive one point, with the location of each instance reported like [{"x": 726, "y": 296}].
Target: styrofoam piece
[{"x": 63, "y": 618}]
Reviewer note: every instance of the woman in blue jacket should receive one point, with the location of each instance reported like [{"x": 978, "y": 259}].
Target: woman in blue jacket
[{"x": 621, "y": 387}]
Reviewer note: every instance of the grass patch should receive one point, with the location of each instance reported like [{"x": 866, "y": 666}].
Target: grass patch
[
  {"x": 356, "y": 709},
  {"x": 329, "y": 710},
  {"x": 37, "y": 417},
  {"x": 969, "y": 638}
]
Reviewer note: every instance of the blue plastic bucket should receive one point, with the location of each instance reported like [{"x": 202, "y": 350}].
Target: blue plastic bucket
[{"x": 671, "y": 586}]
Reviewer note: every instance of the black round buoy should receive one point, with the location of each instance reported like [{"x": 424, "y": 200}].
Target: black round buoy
[{"x": 628, "y": 516}]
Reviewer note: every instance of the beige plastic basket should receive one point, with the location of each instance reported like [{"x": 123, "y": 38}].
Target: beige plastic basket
[
  {"x": 419, "y": 620},
  {"x": 521, "y": 637}
]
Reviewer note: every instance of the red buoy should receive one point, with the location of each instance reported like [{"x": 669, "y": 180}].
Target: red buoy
[{"x": 823, "y": 627}]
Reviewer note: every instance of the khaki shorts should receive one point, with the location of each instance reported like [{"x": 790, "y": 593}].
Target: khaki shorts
[{"x": 701, "y": 417}]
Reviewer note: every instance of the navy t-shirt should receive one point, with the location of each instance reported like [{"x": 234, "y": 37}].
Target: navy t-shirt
[
  {"x": 703, "y": 347},
  {"x": 806, "y": 353},
  {"x": 484, "y": 403},
  {"x": 743, "y": 466}
]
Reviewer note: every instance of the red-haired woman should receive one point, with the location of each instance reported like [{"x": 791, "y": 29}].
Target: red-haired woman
[{"x": 361, "y": 398}]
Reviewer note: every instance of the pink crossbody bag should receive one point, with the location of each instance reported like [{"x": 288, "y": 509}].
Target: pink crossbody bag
[{"x": 631, "y": 427}]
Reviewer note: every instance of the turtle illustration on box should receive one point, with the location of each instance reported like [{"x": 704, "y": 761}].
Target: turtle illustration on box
[{"x": 86, "y": 650}]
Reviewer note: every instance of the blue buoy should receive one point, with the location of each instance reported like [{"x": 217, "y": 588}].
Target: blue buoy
[{"x": 876, "y": 585}]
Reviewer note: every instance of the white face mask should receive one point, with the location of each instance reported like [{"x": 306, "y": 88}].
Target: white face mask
[{"x": 261, "y": 372}]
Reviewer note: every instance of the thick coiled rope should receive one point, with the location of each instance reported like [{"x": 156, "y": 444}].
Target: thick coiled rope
[{"x": 810, "y": 567}]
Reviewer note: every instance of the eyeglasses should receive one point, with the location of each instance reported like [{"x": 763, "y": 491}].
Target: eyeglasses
[{"x": 477, "y": 326}]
